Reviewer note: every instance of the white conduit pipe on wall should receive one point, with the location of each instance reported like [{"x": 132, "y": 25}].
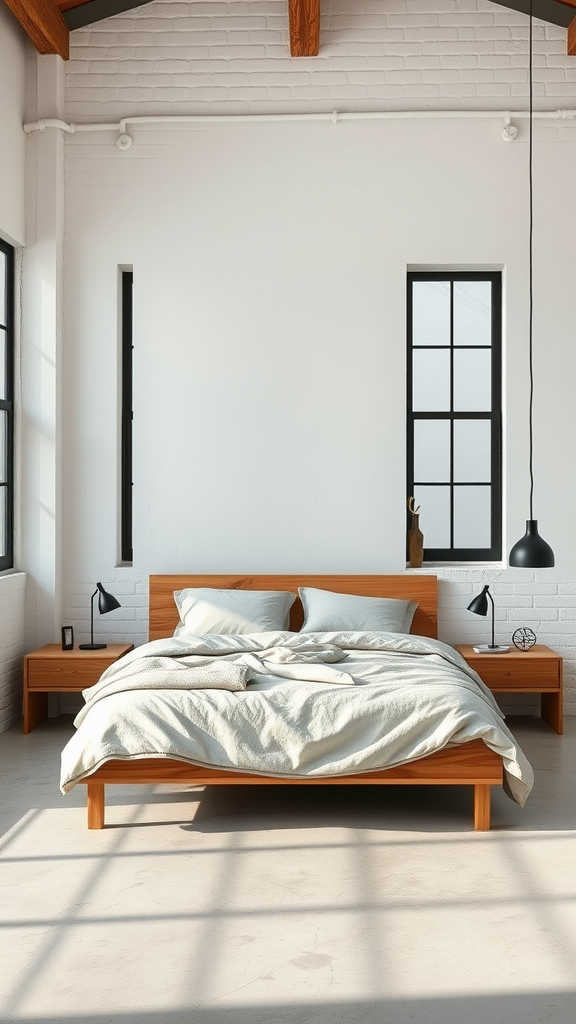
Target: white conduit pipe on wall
[{"x": 124, "y": 141}]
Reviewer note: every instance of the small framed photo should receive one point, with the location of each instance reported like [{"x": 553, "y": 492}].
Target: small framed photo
[{"x": 67, "y": 638}]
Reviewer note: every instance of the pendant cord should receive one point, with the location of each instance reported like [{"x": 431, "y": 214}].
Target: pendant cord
[{"x": 531, "y": 218}]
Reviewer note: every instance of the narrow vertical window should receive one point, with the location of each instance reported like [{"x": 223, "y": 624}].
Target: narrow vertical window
[
  {"x": 6, "y": 405},
  {"x": 454, "y": 413},
  {"x": 127, "y": 346}
]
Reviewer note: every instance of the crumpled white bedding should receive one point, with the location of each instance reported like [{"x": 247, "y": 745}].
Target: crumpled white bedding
[{"x": 288, "y": 704}]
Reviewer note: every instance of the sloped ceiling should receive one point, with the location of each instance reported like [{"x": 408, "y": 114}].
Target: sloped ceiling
[
  {"x": 49, "y": 22},
  {"x": 78, "y": 13}
]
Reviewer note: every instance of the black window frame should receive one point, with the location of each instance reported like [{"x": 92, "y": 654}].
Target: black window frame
[
  {"x": 7, "y": 405},
  {"x": 126, "y": 418},
  {"x": 453, "y": 554}
]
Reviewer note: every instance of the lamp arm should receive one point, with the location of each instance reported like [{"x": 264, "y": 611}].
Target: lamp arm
[
  {"x": 492, "y": 603},
  {"x": 92, "y": 616}
]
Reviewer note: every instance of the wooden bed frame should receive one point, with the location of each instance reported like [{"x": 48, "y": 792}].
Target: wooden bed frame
[{"x": 470, "y": 764}]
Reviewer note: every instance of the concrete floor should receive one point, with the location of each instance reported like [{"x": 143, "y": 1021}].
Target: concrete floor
[{"x": 288, "y": 905}]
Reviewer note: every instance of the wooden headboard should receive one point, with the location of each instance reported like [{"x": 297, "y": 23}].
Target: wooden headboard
[{"x": 422, "y": 589}]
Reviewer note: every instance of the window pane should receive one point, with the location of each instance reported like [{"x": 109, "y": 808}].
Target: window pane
[
  {"x": 3, "y": 517},
  {"x": 472, "y": 313},
  {"x": 472, "y": 517},
  {"x": 3, "y": 288},
  {"x": 472, "y": 383},
  {"x": 472, "y": 450},
  {"x": 431, "y": 313},
  {"x": 3, "y": 343},
  {"x": 432, "y": 451},
  {"x": 434, "y": 515},
  {"x": 431, "y": 380},
  {"x": 3, "y": 439}
]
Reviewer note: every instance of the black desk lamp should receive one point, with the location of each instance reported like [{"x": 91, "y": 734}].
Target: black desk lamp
[
  {"x": 480, "y": 607},
  {"x": 106, "y": 603}
]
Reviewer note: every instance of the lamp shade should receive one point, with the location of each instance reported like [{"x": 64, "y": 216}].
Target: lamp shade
[
  {"x": 106, "y": 602},
  {"x": 480, "y": 603},
  {"x": 532, "y": 551}
]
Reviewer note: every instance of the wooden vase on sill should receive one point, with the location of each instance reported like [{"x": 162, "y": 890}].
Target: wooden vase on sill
[{"x": 415, "y": 542}]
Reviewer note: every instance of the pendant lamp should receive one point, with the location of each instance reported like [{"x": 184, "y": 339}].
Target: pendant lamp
[{"x": 532, "y": 551}]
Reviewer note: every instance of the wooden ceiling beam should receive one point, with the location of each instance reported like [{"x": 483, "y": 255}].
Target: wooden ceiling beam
[
  {"x": 44, "y": 24},
  {"x": 572, "y": 39},
  {"x": 304, "y": 21},
  {"x": 69, "y": 5}
]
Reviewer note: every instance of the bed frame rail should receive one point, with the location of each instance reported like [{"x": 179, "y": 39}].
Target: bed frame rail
[{"x": 469, "y": 764}]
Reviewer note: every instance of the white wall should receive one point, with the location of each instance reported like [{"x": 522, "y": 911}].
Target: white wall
[
  {"x": 12, "y": 646},
  {"x": 13, "y": 51},
  {"x": 269, "y": 264},
  {"x": 41, "y": 362},
  {"x": 13, "y": 57}
]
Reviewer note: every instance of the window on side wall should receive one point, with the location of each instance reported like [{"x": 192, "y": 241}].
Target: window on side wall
[
  {"x": 454, "y": 413},
  {"x": 6, "y": 405},
  {"x": 126, "y": 460}
]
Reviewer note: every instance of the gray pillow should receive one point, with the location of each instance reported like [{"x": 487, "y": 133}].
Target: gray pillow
[
  {"x": 325, "y": 611},
  {"x": 206, "y": 610}
]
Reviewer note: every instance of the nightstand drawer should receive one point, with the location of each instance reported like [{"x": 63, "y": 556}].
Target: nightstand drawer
[
  {"x": 45, "y": 674},
  {"x": 533, "y": 673}
]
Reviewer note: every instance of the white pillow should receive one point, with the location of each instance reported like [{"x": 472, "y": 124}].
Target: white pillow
[
  {"x": 204, "y": 610},
  {"x": 326, "y": 611}
]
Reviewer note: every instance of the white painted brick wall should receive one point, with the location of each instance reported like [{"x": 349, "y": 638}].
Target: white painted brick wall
[
  {"x": 12, "y": 640},
  {"x": 233, "y": 57},
  {"x": 544, "y": 600},
  {"x": 127, "y": 624}
]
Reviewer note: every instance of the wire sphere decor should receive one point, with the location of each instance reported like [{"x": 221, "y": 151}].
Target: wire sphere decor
[{"x": 524, "y": 638}]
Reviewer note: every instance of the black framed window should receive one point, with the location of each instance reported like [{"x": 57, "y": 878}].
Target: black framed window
[
  {"x": 127, "y": 348},
  {"x": 7, "y": 312},
  {"x": 454, "y": 412}
]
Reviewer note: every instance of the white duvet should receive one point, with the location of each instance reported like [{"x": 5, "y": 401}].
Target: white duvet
[{"x": 290, "y": 704}]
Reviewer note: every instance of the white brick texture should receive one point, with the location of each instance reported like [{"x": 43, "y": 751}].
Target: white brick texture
[
  {"x": 234, "y": 57},
  {"x": 126, "y": 624},
  {"x": 12, "y": 640},
  {"x": 543, "y": 599}
]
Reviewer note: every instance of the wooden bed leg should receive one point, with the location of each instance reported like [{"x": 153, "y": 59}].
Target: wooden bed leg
[
  {"x": 482, "y": 808},
  {"x": 95, "y": 805}
]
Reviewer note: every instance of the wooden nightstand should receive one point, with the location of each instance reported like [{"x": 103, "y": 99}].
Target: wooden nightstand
[
  {"x": 52, "y": 670},
  {"x": 538, "y": 670}
]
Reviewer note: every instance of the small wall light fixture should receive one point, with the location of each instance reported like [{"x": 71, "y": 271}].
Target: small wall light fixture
[
  {"x": 106, "y": 603},
  {"x": 480, "y": 607}
]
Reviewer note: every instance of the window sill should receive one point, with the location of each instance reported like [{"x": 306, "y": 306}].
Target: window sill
[{"x": 433, "y": 566}]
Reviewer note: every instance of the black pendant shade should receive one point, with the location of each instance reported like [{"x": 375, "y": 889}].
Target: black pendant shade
[{"x": 532, "y": 551}]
